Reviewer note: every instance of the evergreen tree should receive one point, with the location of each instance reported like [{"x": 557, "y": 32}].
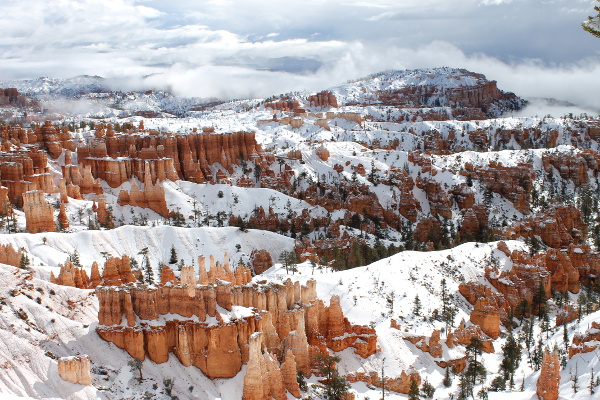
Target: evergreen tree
[
  {"x": 413, "y": 392},
  {"x": 173, "y": 258},
  {"x": 427, "y": 389},
  {"x": 417, "y": 305},
  {"x": 146, "y": 267},
  {"x": 447, "y": 378},
  {"x": 24, "y": 261},
  {"x": 74, "y": 258},
  {"x": 336, "y": 386},
  {"x": 539, "y": 299},
  {"x": 592, "y": 25},
  {"x": 512, "y": 357}
]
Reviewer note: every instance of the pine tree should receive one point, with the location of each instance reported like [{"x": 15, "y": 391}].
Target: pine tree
[
  {"x": 592, "y": 25},
  {"x": 447, "y": 378},
  {"x": 146, "y": 267},
  {"x": 413, "y": 392},
  {"x": 74, "y": 258},
  {"x": 336, "y": 385},
  {"x": 512, "y": 357},
  {"x": 417, "y": 305},
  {"x": 24, "y": 261},
  {"x": 173, "y": 258}
]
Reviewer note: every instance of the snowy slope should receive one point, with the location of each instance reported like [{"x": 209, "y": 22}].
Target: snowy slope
[{"x": 47, "y": 250}]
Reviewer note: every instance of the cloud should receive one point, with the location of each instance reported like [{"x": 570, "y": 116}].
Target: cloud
[{"x": 234, "y": 49}]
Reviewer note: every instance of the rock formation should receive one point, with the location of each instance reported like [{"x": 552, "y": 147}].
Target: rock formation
[
  {"x": 486, "y": 315},
  {"x": 39, "y": 214},
  {"x": 287, "y": 321},
  {"x": 152, "y": 196},
  {"x": 586, "y": 342},
  {"x": 75, "y": 369},
  {"x": 400, "y": 384},
  {"x": 261, "y": 261},
  {"x": 323, "y": 99},
  {"x": 10, "y": 256},
  {"x": 549, "y": 379}
]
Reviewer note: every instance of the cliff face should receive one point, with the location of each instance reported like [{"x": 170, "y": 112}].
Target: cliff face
[
  {"x": 75, "y": 369},
  {"x": 586, "y": 342},
  {"x": 118, "y": 158},
  {"x": 549, "y": 380},
  {"x": 38, "y": 213},
  {"x": 10, "y": 256},
  {"x": 285, "y": 319}
]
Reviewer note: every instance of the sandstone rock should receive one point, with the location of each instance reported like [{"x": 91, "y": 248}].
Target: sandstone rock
[
  {"x": 400, "y": 384},
  {"x": 586, "y": 342},
  {"x": 322, "y": 153},
  {"x": 485, "y": 314},
  {"x": 63, "y": 218},
  {"x": 323, "y": 99},
  {"x": 39, "y": 214},
  {"x": 10, "y": 256},
  {"x": 261, "y": 261},
  {"x": 5, "y": 207},
  {"x": 75, "y": 369},
  {"x": 549, "y": 379},
  {"x": 288, "y": 370}
]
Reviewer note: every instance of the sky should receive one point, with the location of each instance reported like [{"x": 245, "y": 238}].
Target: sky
[{"x": 255, "y": 48}]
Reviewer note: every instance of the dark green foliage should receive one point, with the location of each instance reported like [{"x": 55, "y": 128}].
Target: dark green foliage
[
  {"x": 590, "y": 28},
  {"x": 539, "y": 299},
  {"x": 301, "y": 381},
  {"x": 173, "y": 258},
  {"x": 335, "y": 385},
  {"x": 136, "y": 367},
  {"x": 24, "y": 261},
  {"x": 146, "y": 267},
  {"x": 447, "y": 378},
  {"x": 427, "y": 389},
  {"x": 417, "y": 305},
  {"x": 512, "y": 357},
  {"x": 74, "y": 258},
  {"x": 498, "y": 384},
  {"x": 414, "y": 393}
]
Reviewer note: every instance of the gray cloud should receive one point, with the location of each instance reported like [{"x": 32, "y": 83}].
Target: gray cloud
[{"x": 233, "y": 49}]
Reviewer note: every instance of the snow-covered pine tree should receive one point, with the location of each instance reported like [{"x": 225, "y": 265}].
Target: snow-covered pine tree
[{"x": 592, "y": 25}]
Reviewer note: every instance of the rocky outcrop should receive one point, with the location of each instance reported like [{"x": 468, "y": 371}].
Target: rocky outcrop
[
  {"x": 117, "y": 271},
  {"x": 5, "y": 207},
  {"x": 70, "y": 275},
  {"x": 63, "y": 218},
  {"x": 486, "y": 315},
  {"x": 10, "y": 256},
  {"x": 463, "y": 334},
  {"x": 283, "y": 314},
  {"x": 261, "y": 261},
  {"x": 549, "y": 379},
  {"x": 263, "y": 379},
  {"x": 512, "y": 183},
  {"x": 399, "y": 384},
  {"x": 323, "y": 99},
  {"x": 430, "y": 345},
  {"x": 439, "y": 202},
  {"x": 558, "y": 226},
  {"x": 322, "y": 153},
  {"x": 39, "y": 215},
  {"x": 75, "y": 369},
  {"x": 151, "y": 196},
  {"x": 587, "y": 341}
]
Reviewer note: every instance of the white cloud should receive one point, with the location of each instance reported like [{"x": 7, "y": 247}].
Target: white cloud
[{"x": 221, "y": 47}]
